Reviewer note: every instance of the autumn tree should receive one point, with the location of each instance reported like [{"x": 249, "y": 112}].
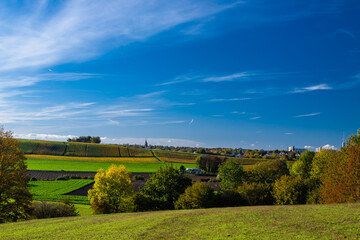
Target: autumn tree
[
  {"x": 341, "y": 176},
  {"x": 15, "y": 197},
  {"x": 290, "y": 190},
  {"x": 111, "y": 190}
]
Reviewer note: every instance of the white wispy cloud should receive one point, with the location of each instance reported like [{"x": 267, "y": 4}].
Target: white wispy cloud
[
  {"x": 191, "y": 121},
  {"x": 12, "y": 114},
  {"x": 288, "y": 133},
  {"x": 228, "y": 99},
  {"x": 153, "y": 141},
  {"x": 346, "y": 32},
  {"x": 42, "y": 136},
  {"x": 178, "y": 79},
  {"x": 32, "y": 38},
  {"x": 254, "y": 118},
  {"x": 307, "y": 115},
  {"x": 18, "y": 81},
  {"x": 322, "y": 86},
  {"x": 230, "y": 77},
  {"x": 123, "y": 113}
]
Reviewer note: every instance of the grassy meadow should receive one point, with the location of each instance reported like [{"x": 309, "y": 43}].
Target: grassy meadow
[
  {"x": 59, "y": 163},
  {"x": 55, "y": 190},
  {"x": 341, "y": 221}
]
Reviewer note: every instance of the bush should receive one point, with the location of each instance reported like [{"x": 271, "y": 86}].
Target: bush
[
  {"x": 142, "y": 202},
  {"x": 33, "y": 179},
  {"x": 45, "y": 209},
  {"x": 199, "y": 195},
  {"x": 63, "y": 178},
  {"x": 138, "y": 178},
  {"x": 229, "y": 198},
  {"x": 256, "y": 193},
  {"x": 75, "y": 177},
  {"x": 205, "y": 180},
  {"x": 290, "y": 190}
]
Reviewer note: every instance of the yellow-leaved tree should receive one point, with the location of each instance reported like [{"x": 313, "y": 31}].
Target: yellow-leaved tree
[
  {"x": 111, "y": 190},
  {"x": 15, "y": 197}
]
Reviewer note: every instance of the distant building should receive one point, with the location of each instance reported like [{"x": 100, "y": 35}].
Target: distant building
[
  {"x": 193, "y": 171},
  {"x": 146, "y": 144},
  {"x": 294, "y": 149}
]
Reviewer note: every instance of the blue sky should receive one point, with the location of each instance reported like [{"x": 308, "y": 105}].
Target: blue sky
[{"x": 251, "y": 74}]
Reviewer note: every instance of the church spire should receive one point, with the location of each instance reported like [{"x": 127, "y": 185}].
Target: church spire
[
  {"x": 343, "y": 144},
  {"x": 146, "y": 143}
]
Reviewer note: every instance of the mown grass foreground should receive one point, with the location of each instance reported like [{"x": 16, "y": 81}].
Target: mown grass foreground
[{"x": 264, "y": 222}]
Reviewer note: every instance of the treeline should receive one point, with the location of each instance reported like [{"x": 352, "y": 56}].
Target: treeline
[
  {"x": 230, "y": 152},
  {"x": 85, "y": 139},
  {"x": 325, "y": 177}
]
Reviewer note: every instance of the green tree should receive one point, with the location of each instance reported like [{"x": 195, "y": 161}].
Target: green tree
[
  {"x": 199, "y": 195},
  {"x": 268, "y": 171},
  {"x": 231, "y": 174},
  {"x": 165, "y": 186},
  {"x": 302, "y": 167},
  {"x": 111, "y": 190},
  {"x": 290, "y": 190},
  {"x": 208, "y": 163},
  {"x": 320, "y": 161},
  {"x": 15, "y": 197},
  {"x": 95, "y": 139}
]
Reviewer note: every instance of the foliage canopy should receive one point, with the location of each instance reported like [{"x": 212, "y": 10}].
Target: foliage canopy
[
  {"x": 111, "y": 190},
  {"x": 231, "y": 173},
  {"x": 165, "y": 186},
  {"x": 199, "y": 195},
  {"x": 15, "y": 197}
]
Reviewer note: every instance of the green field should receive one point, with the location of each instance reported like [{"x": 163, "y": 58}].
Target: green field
[
  {"x": 262, "y": 222},
  {"x": 55, "y": 190},
  {"x": 92, "y": 166}
]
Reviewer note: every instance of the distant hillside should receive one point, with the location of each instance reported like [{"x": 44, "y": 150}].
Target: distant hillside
[
  {"x": 76, "y": 149},
  {"x": 339, "y": 221}
]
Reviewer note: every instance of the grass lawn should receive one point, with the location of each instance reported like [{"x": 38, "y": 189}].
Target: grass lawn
[
  {"x": 83, "y": 209},
  {"x": 264, "y": 222},
  {"x": 85, "y": 164},
  {"x": 54, "y": 190},
  {"x": 55, "y": 164}
]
